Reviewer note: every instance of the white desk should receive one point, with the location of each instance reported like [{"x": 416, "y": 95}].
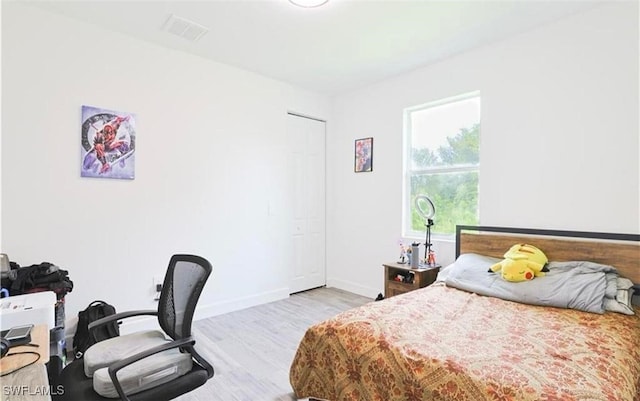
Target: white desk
[{"x": 30, "y": 383}]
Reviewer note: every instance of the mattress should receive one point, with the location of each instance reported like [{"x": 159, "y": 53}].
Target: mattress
[{"x": 441, "y": 343}]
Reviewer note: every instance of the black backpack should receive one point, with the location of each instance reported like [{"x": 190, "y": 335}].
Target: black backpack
[{"x": 82, "y": 339}]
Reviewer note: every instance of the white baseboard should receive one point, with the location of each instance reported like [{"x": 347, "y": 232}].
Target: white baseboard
[
  {"x": 202, "y": 312},
  {"x": 354, "y": 288},
  {"x": 222, "y": 307}
]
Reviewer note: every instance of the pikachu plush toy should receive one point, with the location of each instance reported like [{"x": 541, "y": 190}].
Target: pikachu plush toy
[{"x": 522, "y": 262}]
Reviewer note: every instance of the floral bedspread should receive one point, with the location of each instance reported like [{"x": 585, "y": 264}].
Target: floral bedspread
[{"x": 440, "y": 343}]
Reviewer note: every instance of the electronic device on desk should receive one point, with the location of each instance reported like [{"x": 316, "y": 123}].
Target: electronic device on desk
[
  {"x": 18, "y": 335},
  {"x": 35, "y": 308}
]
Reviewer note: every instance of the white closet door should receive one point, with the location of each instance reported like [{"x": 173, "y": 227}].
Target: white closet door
[{"x": 307, "y": 149}]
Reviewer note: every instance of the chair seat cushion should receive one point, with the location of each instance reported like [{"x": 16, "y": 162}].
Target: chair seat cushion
[
  {"x": 106, "y": 352},
  {"x": 144, "y": 374}
]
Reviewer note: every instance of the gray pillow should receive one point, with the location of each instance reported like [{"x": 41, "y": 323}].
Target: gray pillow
[
  {"x": 612, "y": 285},
  {"x": 622, "y": 301}
]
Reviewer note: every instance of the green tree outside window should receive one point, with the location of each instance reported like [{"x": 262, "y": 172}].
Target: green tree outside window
[{"x": 448, "y": 175}]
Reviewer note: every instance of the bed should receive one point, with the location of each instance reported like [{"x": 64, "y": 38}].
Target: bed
[{"x": 443, "y": 343}]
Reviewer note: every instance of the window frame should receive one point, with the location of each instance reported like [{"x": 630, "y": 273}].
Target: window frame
[{"x": 408, "y": 172}]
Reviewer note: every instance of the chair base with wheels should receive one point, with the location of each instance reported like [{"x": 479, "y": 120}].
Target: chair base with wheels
[{"x": 82, "y": 390}]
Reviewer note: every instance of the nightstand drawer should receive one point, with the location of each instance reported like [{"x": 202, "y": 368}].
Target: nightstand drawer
[
  {"x": 396, "y": 288},
  {"x": 399, "y": 279}
]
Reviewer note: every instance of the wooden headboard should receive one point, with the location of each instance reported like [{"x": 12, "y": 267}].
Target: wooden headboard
[{"x": 621, "y": 251}]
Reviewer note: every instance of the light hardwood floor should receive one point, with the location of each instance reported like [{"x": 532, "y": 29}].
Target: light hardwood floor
[{"x": 251, "y": 350}]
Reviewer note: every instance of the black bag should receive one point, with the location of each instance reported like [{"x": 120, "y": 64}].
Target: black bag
[{"x": 83, "y": 339}]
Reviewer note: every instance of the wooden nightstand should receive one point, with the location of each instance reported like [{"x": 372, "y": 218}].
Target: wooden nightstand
[{"x": 421, "y": 278}]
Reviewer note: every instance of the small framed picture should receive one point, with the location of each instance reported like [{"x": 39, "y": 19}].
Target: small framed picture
[{"x": 363, "y": 155}]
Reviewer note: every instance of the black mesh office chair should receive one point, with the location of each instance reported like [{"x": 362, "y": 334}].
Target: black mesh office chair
[{"x": 147, "y": 365}]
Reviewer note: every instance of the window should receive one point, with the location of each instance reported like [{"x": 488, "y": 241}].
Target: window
[{"x": 442, "y": 161}]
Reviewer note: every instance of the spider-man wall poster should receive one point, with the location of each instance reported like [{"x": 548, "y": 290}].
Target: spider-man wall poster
[{"x": 108, "y": 143}]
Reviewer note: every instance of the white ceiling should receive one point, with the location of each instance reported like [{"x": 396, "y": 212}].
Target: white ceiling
[{"x": 335, "y": 48}]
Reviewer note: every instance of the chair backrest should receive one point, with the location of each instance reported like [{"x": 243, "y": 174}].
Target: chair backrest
[{"x": 183, "y": 283}]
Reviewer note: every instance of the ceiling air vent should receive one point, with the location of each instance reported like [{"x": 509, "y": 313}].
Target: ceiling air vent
[{"x": 183, "y": 27}]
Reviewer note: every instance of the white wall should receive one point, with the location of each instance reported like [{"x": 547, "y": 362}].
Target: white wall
[
  {"x": 559, "y": 140},
  {"x": 0, "y": 130},
  {"x": 211, "y": 173}
]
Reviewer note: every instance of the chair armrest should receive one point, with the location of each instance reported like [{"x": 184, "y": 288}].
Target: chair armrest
[
  {"x": 119, "y": 316},
  {"x": 202, "y": 362},
  {"x": 116, "y": 366}
]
